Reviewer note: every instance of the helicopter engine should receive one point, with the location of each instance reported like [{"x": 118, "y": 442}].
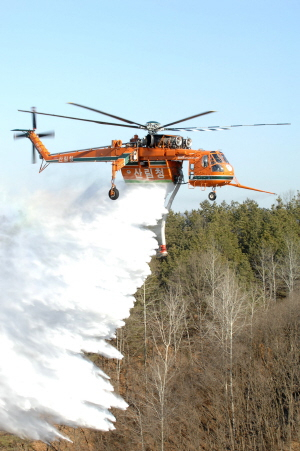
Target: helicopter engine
[{"x": 169, "y": 141}]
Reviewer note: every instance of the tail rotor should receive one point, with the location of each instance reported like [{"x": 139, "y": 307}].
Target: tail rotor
[
  {"x": 33, "y": 109},
  {"x": 34, "y": 127}
]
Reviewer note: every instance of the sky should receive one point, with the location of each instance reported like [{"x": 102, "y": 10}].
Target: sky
[
  {"x": 144, "y": 61},
  {"x": 152, "y": 60}
]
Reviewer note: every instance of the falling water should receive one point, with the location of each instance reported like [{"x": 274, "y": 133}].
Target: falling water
[{"x": 69, "y": 266}]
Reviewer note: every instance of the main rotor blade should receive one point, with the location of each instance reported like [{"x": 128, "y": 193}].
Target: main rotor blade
[
  {"x": 258, "y": 125},
  {"x": 218, "y": 127},
  {"x": 86, "y": 120},
  {"x": 187, "y": 118},
  {"x": 106, "y": 114}
]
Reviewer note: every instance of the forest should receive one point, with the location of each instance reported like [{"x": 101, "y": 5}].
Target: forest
[{"x": 212, "y": 346}]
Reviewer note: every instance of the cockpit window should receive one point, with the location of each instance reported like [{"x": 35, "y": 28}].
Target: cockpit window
[
  {"x": 225, "y": 159},
  {"x": 217, "y": 168},
  {"x": 216, "y": 157}
]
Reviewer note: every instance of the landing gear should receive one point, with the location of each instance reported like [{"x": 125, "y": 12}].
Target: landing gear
[
  {"x": 212, "y": 196},
  {"x": 113, "y": 193}
]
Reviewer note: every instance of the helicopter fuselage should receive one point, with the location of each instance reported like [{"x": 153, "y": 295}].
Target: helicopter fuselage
[{"x": 139, "y": 163}]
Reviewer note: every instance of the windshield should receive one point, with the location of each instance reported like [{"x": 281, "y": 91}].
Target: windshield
[
  {"x": 225, "y": 159},
  {"x": 216, "y": 158},
  {"x": 217, "y": 168}
]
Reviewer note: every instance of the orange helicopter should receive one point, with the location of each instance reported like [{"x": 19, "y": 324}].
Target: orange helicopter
[{"x": 156, "y": 158}]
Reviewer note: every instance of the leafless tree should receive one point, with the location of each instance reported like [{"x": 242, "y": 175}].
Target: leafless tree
[
  {"x": 229, "y": 312},
  {"x": 289, "y": 267},
  {"x": 167, "y": 326},
  {"x": 267, "y": 270}
]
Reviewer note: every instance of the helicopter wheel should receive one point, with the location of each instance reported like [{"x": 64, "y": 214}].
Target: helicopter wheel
[
  {"x": 113, "y": 193},
  {"x": 212, "y": 196}
]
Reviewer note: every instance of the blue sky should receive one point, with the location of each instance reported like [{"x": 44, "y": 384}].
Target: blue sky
[{"x": 153, "y": 60}]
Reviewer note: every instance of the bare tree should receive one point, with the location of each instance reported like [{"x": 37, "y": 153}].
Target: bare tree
[
  {"x": 167, "y": 326},
  {"x": 146, "y": 297},
  {"x": 229, "y": 313},
  {"x": 289, "y": 267},
  {"x": 267, "y": 270},
  {"x": 199, "y": 279}
]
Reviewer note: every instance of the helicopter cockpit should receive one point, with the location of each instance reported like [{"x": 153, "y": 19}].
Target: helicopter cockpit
[{"x": 219, "y": 162}]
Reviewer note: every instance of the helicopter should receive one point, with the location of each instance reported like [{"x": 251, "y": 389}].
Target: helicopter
[{"x": 155, "y": 158}]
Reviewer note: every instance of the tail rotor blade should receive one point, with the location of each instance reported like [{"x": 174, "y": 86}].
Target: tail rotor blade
[
  {"x": 20, "y": 135},
  {"x": 47, "y": 134},
  {"x": 33, "y": 109},
  {"x": 33, "y": 155}
]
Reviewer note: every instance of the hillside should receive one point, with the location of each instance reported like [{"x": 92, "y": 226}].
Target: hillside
[{"x": 212, "y": 346}]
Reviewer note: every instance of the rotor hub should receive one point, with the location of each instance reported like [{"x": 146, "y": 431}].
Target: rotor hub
[{"x": 153, "y": 126}]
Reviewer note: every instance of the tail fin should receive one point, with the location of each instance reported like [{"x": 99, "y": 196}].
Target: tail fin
[
  {"x": 38, "y": 145},
  {"x": 36, "y": 142}
]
